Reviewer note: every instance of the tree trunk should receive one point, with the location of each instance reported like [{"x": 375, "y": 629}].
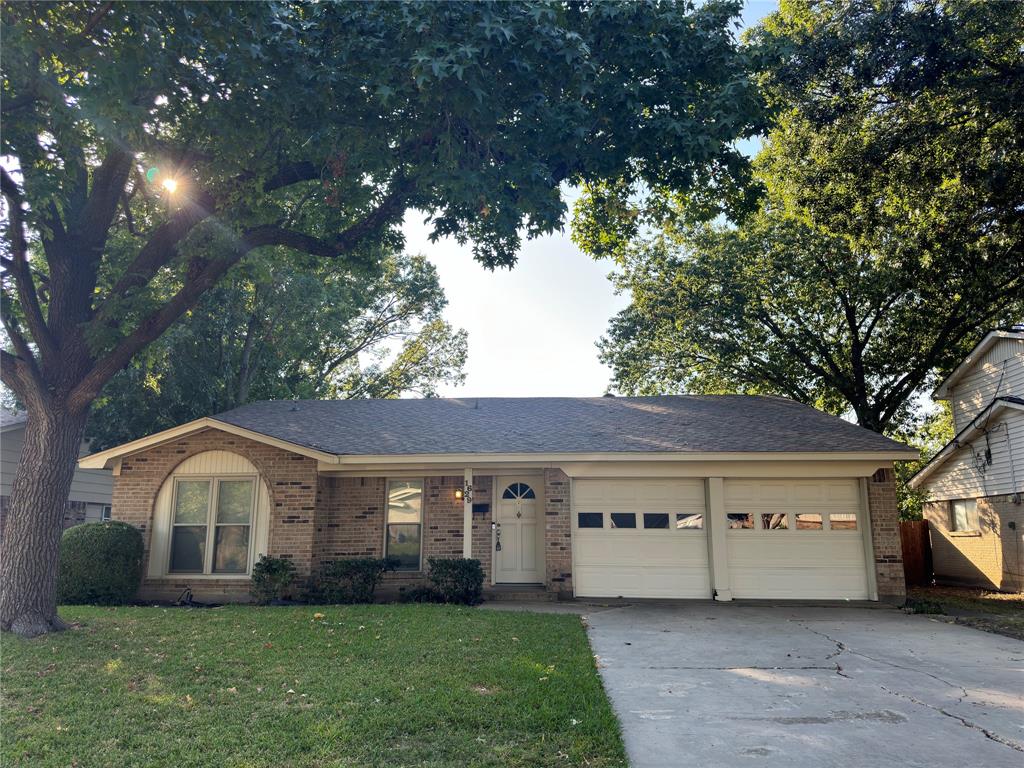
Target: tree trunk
[{"x": 34, "y": 524}]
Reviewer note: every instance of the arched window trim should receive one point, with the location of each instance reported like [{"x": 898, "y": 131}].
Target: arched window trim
[
  {"x": 215, "y": 465},
  {"x": 518, "y": 490}
]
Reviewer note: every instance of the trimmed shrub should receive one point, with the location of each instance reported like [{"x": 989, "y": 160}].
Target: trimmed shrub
[
  {"x": 271, "y": 579},
  {"x": 100, "y": 563},
  {"x": 458, "y": 579},
  {"x": 420, "y": 594},
  {"x": 351, "y": 581}
]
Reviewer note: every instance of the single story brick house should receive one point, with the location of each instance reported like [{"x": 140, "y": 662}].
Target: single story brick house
[{"x": 650, "y": 497}]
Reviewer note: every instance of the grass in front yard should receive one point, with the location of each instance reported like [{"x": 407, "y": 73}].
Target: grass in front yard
[
  {"x": 395, "y": 685},
  {"x": 1000, "y": 612}
]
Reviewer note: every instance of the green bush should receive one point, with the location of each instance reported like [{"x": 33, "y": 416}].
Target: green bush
[
  {"x": 271, "y": 579},
  {"x": 420, "y": 594},
  {"x": 458, "y": 579},
  {"x": 100, "y": 563},
  {"x": 351, "y": 581}
]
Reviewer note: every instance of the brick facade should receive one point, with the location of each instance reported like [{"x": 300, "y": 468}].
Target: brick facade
[
  {"x": 557, "y": 533},
  {"x": 291, "y": 480},
  {"x": 885, "y": 536},
  {"x": 991, "y": 557},
  {"x": 318, "y": 518}
]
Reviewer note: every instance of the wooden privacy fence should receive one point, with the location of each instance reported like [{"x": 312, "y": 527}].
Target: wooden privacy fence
[{"x": 917, "y": 552}]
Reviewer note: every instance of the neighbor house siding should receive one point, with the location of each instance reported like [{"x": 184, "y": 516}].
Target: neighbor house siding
[
  {"x": 966, "y": 475},
  {"x": 992, "y": 556},
  {"x": 999, "y": 372},
  {"x": 291, "y": 480},
  {"x": 91, "y": 489}
]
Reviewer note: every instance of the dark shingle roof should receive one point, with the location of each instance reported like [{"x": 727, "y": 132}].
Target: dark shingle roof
[{"x": 556, "y": 425}]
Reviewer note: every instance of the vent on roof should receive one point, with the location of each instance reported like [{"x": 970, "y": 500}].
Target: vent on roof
[{"x": 608, "y": 394}]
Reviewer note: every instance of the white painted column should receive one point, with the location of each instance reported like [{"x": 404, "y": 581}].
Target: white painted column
[
  {"x": 864, "y": 521},
  {"x": 718, "y": 552},
  {"x": 467, "y": 514}
]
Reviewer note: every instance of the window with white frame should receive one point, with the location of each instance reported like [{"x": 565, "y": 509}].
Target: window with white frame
[
  {"x": 403, "y": 537},
  {"x": 211, "y": 525},
  {"x": 964, "y": 514},
  {"x": 105, "y": 514}
]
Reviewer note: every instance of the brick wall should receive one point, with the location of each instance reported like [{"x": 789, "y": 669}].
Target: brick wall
[
  {"x": 350, "y": 522},
  {"x": 992, "y": 556},
  {"x": 291, "y": 479},
  {"x": 483, "y": 548},
  {"x": 557, "y": 532},
  {"x": 885, "y": 536}
]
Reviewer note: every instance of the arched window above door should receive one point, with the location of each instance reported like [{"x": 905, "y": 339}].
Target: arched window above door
[{"x": 518, "y": 491}]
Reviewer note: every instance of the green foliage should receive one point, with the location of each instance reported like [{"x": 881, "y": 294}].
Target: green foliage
[
  {"x": 420, "y": 594},
  {"x": 289, "y": 328},
  {"x": 888, "y": 237},
  {"x": 457, "y": 579},
  {"x": 353, "y": 580},
  {"x": 272, "y": 579},
  {"x": 100, "y": 563},
  {"x": 929, "y": 436}
]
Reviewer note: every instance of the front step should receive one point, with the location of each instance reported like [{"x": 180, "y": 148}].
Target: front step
[{"x": 524, "y": 592}]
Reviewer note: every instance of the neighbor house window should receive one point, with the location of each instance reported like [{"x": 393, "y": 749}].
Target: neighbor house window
[
  {"x": 405, "y": 523},
  {"x": 105, "y": 514},
  {"x": 964, "y": 514},
  {"x": 212, "y": 525}
]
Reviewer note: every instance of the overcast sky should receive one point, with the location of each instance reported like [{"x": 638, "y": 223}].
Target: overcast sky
[{"x": 532, "y": 330}]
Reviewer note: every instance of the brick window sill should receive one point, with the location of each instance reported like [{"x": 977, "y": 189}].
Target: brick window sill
[{"x": 965, "y": 534}]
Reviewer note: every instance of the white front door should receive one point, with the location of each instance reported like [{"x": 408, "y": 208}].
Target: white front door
[{"x": 518, "y": 535}]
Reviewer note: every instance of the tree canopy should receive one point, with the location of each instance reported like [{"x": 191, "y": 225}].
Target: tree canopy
[
  {"x": 888, "y": 235},
  {"x": 283, "y": 328},
  {"x": 150, "y": 147}
]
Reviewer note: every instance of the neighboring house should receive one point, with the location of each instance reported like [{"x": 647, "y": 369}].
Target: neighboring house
[
  {"x": 667, "y": 497},
  {"x": 976, "y": 482},
  {"x": 91, "y": 489}
]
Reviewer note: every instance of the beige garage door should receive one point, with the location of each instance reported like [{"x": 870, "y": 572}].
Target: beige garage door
[
  {"x": 795, "y": 539},
  {"x": 640, "y": 538}
]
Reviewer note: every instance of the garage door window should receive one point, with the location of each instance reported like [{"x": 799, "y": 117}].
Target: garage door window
[
  {"x": 655, "y": 520},
  {"x": 740, "y": 520},
  {"x": 775, "y": 521},
  {"x": 689, "y": 521},
  {"x": 590, "y": 520},
  {"x": 842, "y": 521},
  {"x": 808, "y": 521},
  {"x": 623, "y": 520}
]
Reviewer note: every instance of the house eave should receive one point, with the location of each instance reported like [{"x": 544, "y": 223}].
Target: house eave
[{"x": 942, "y": 392}]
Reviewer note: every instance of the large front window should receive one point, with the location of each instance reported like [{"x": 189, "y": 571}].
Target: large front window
[
  {"x": 404, "y": 523},
  {"x": 212, "y": 525}
]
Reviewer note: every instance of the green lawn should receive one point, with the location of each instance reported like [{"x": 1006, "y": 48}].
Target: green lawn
[
  {"x": 395, "y": 685},
  {"x": 1000, "y": 612}
]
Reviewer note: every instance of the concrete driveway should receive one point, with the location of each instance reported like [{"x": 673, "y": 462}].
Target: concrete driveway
[{"x": 720, "y": 685}]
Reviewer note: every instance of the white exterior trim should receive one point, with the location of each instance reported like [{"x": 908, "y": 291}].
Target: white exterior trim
[{"x": 942, "y": 392}]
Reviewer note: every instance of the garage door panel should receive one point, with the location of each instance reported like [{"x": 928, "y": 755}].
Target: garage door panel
[
  {"x": 620, "y": 562},
  {"x": 793, "y": 563},
  {"x": 643, "y": 581}
]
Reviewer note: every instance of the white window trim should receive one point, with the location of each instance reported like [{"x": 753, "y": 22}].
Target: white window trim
[
  {"x": 211, "y": 524},
  {"x": 976, "y": 528},
  {"x": 423, "y": 516},
  {"x": 106, "y": 513}
]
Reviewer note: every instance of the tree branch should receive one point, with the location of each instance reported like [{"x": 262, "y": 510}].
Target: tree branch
[{"x": 20, "y": 270}]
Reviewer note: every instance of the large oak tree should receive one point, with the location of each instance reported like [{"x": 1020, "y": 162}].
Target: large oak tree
[
  {"x": 889, "y": 235},
  {"x": 198, "y": 133}
]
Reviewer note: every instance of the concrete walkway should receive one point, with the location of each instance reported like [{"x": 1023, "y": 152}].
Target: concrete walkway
[{"x": 720, "y": 685}]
